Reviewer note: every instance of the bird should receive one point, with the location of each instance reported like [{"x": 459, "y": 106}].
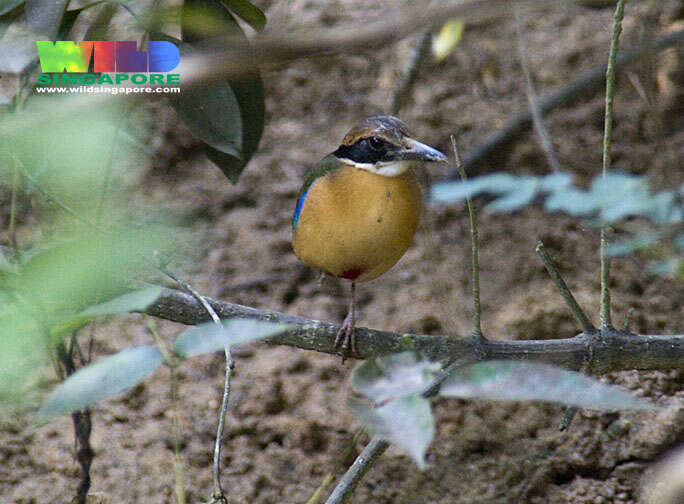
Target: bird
[{"x": 359, "y": 208}]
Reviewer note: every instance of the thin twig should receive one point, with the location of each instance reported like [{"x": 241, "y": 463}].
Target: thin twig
[
  {"x": 345, "y": 488},
  {"x": 218, "y": 494},
  {"x": 433, "y": 388},
  {"x": 580, "y": 317},
  {"x": 619, "y": 351},
  {"x": 607, "y": 143},
  {"x": 186, "y": 286},
  {"x": 477, "y": 311},
  {"x": 404, "y": 85},
  {"x": 82, "y": 425},
  {"x": 175, "y": 432},
  {"x": 537, "y": 119},
  {"x": 172, "y": 362}
]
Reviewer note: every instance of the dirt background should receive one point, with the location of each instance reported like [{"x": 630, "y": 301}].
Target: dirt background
[{"x": 288, "y": 422}]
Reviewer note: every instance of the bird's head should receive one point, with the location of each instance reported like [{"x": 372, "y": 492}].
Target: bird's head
[{"x": 383, "y": 145}]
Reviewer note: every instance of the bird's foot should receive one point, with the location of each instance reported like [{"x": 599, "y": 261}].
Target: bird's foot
[{"x": 346, "y": 337}]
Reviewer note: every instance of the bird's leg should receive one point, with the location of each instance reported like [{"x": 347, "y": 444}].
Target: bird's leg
[{"x": 346, "y": 338}]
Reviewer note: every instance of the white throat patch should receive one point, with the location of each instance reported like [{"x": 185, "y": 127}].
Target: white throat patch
[{"x": 386, "y": 169}]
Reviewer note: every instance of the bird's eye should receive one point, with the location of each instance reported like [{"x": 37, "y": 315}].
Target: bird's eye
[{"x": 376, "y": 143}]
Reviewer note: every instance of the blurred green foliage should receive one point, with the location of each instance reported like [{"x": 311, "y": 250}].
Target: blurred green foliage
[
  {"x": 227, "y": 116},
  {"x": 81, "y": 242},
  {"x": 122, "y": 370},
  {"x": 398, "y": 411}
]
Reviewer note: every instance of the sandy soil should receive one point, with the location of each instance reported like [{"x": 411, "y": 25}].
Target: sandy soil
[{"x": 287, "y": 422}]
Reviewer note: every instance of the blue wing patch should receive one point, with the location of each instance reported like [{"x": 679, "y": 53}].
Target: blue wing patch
[{"x": 300, "y": 204}]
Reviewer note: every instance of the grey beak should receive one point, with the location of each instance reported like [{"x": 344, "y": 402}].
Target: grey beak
[{"x": 417, "y": 151}]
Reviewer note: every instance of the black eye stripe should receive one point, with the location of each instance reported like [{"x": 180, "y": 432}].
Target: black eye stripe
[{"x": 368, "y": 150}]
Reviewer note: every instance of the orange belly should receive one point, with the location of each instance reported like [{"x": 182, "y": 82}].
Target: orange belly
[{"x": 355, "y": 224}]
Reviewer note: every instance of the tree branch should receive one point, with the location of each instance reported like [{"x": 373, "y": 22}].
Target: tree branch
[
  {"x": 586, "y": 84},
  {"x": 611, "y": 349},
  {"x": 475, "y": 245},
  {"x": 402, "y": 88},
  {"x": 607, "y": 144},
  {"x": 345, "y": 488},
  {"x": 230, "y": 57}
]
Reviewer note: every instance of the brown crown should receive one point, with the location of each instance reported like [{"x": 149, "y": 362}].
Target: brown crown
[{"x": 389, "y": 128}]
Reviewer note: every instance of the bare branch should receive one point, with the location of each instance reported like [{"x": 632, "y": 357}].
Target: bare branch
[
  {"x": 612, "y": 350},
  {"x": 345, "y": 488},
  {"x": 607, "y": 143},
  {"x": 582, "y": 87},
  {"x": 580, "y": 317},
  {"x": 218, "y": 494},
  {"x": 532, "y": 99},
  {"x": 403, "y": 86},
  {"x": 474, "y": 238},
  {"x": 226, "y": 57}
]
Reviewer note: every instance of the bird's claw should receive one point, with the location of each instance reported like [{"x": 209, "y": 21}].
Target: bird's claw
[{"x": 346, "y": 338}]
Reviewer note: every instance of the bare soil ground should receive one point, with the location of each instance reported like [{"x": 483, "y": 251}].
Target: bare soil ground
[{"x": 288, "y": 422}]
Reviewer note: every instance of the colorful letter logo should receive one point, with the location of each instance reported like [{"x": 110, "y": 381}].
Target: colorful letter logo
[{"x": 109, "y": 56}]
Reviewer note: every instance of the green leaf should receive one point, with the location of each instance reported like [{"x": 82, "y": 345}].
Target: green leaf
[
  {"x": 210, "y": 337},
  {"x": 6, "y": 21},
  {"x": 678, "y": 241},
  {"x": 227, "y": 116},
  {"x": 17, "y": 48},
  {"x": 392, "y": 376},
  {"x": 663, "y": 208},
  {"x": 523, "y": 194},
  {"x": 44, "y": 17},
  {"x": 71, "y": 276},
  {"x": 619, "y": 195},
  {"x": 22, "y": 351},
  {"x": 249, "y": 94},
  {"x": 632, "y": 244},
  {"x": 213, "y": 115},
  {"x": 407, "y": 423},
  {"x": 668, "y": 266},
  {"x": 571, "y": 200},
  {"x": 126, "y": 303},
  {"x": 98, "y": 381},
  {"x": 211, "y": 112},
  {"x": 532, "y": 381},
  {"x": 498, "y": 183},
  {"x": 555, "y": 181},
  {"x": 8, "y": 5},
  {"x": 231, "y": 166},
  {"x": 100, "y": 25},
  {"x": 248, "y": 12}
]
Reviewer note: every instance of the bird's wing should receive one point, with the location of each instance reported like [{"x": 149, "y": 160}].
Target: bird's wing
[{"x": 323, "y": 167}]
